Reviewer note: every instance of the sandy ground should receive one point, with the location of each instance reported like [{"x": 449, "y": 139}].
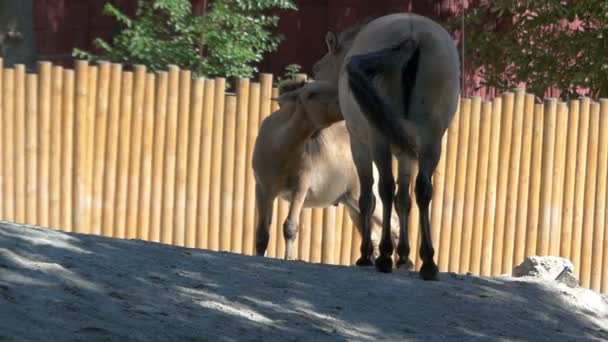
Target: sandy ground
[{"x": 70, "y": 287}]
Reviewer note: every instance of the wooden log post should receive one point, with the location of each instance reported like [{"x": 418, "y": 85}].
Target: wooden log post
[
  {"x": 604, "y": 142},
  {"x": 589, "y": 201},
  {"x": 21, "y": 146},
  {"x": 57, "y": 117},
  {"x": 252, "y": 132},
  {"x": 557, "y": 187},
  {"x": 196, "y": 151},
  {"x": 240, "y": 164},
  {"x": 145, "y": 185},
  {"x": 544, "y": 226},
  {"x": 519, "y": 245},
  {"x": 181, "y": 160},
  {"x": 579, "y": 184},
  {"x": 137, "y": 122},
  {"x": 470, "y": 185},
  {"x": 82, "y": 167},
  {"x": 124, "y": 150},
  {"x": 569, "y": 180},
  {"x": 8, "y": 144},
  {"x": 225, "y": 230},
  {"x": 67, "y": 158},
  {"x": 44, "y": 151},
  {"x": 110, "y": 169},
  {"x": 99, "y": 147},
  {"x": 170, "y": 158},
  {"x": 599, "y": 221},
  {"x": 459, "y": 189},
  {"x": 533, "y": 215},
  {"x": 158, "y": 159},
  {"x": 491, "y": 196},
  {"x": 216, "y": 160},
  {"x": 485, "y": 130},
  {"x": 443, "y": 252},
  {"x": 513, "y": 183},
  {"x": 212, "y": 104},
  {"x": 329, "y": 235},
  {"x": 503, "y": 178}
]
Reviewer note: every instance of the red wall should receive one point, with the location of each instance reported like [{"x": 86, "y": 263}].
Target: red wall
[{"x": 61, "y": 25}]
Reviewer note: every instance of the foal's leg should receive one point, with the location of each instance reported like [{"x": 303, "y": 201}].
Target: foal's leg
[
  {"x": 290, "y": 226},
  {"x": 355, "y": 217},
  {"x": 424, "y": 192},
  {"x": 363, "y": 163},
  {"x": 386, "y": 189},
  {"x": 403, "y": 204},
  {"x": 263, "y": 203}
]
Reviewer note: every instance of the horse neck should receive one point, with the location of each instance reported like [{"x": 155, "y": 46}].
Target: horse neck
[{"x": 298, "y": 130}]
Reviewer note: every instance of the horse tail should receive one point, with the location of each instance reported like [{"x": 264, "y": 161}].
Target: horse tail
[{"x": 362, "y": 69}]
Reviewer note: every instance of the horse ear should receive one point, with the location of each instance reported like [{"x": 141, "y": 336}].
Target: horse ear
[{"x": 332, "y": 41}]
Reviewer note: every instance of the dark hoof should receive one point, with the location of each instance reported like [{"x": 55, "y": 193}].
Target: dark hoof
[
  {"x": 429, "y": 271},
  {"x": 406, "y": 264},
  {"x": 364, "y": 262},
  {"x": 384, "y": 264}
]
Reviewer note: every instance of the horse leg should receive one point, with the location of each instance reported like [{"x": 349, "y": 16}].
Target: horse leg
[
  {"x": 353, "y": 212},
  {"x": 386, "y": 189},
  {"x": 403, "y": 204},
  {"x": 363, "y": 163},
  {"x": 263, "y": 203},
  {"x": 290, "y": 226},
  {"x": 424, "y": 193}
]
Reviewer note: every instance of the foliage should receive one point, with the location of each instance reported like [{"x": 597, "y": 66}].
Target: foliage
[
  {"x": 538, "y": 42},
  {"x": 290, "y": 73},
  {"x": 228, "y": 41}
]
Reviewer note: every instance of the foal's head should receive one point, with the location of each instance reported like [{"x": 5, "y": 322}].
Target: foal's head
[{"x": 316, "y": 101}]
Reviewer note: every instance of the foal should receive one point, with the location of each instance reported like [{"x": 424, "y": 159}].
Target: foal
[{"x": 302, "y": 154}]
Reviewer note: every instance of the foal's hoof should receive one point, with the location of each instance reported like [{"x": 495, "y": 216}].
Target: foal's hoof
[
  {"x": 405, "y": 263},
  {"x": 364, "y": 262},
  {"x": 384, "y": 264},
  {"x": 429, "y": 271}
]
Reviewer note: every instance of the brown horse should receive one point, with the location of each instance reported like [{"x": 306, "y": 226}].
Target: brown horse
[
  {"x": 398, "y": 79},
  {"x": 302, "y": 154}
]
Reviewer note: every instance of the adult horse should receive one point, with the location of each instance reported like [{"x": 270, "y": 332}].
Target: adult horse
[{"x": 398, "y": 79}]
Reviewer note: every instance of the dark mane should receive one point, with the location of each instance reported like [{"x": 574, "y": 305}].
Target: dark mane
[
  {"x": 290, "y": 85},
  {"x": 351, "y": 32}
]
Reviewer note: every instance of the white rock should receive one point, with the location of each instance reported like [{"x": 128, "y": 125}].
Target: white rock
[{"x": 547, "y": 267}]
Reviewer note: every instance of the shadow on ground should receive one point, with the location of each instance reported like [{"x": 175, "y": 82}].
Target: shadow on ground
[{"x": 56, "y": 286}]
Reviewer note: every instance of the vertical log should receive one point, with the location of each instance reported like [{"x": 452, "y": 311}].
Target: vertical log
[
  {"x": 181, "y": 161},
  {"x": 216, "y": 164},
  {"x": 252, "y": 132},
  {"x": 99, "y": 147},
  {"x": 145, "y": 185},
  {"x": 21, "y": 147},
  {"x": 196, "y": 151},
  {"x": 491, "y": 195},
  {"x": 158, "y": 160},
  {"x": 240, "y": 164}
]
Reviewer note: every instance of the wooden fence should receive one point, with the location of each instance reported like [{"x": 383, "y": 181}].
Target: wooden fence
[{"x": 164, "y": 157}]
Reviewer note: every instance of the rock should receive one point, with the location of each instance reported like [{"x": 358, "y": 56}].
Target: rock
[{"x": 548, "y": 268}]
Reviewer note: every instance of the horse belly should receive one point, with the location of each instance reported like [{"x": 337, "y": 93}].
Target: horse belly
[{"x": 326, "y": 189}]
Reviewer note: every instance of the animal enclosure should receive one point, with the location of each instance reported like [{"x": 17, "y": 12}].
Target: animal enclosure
[{"x": 164, "y": 157}]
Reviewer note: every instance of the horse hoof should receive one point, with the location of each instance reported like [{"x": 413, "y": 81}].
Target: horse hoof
[
  {"x": 384, "y": 264},
  {"x": 364, "y": 262},
  {"x": 405, "y": 263},
  {"x": 429, "y": 271}
]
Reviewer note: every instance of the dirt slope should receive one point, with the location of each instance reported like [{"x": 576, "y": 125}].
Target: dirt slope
[{"x": 60, "y": 287}]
